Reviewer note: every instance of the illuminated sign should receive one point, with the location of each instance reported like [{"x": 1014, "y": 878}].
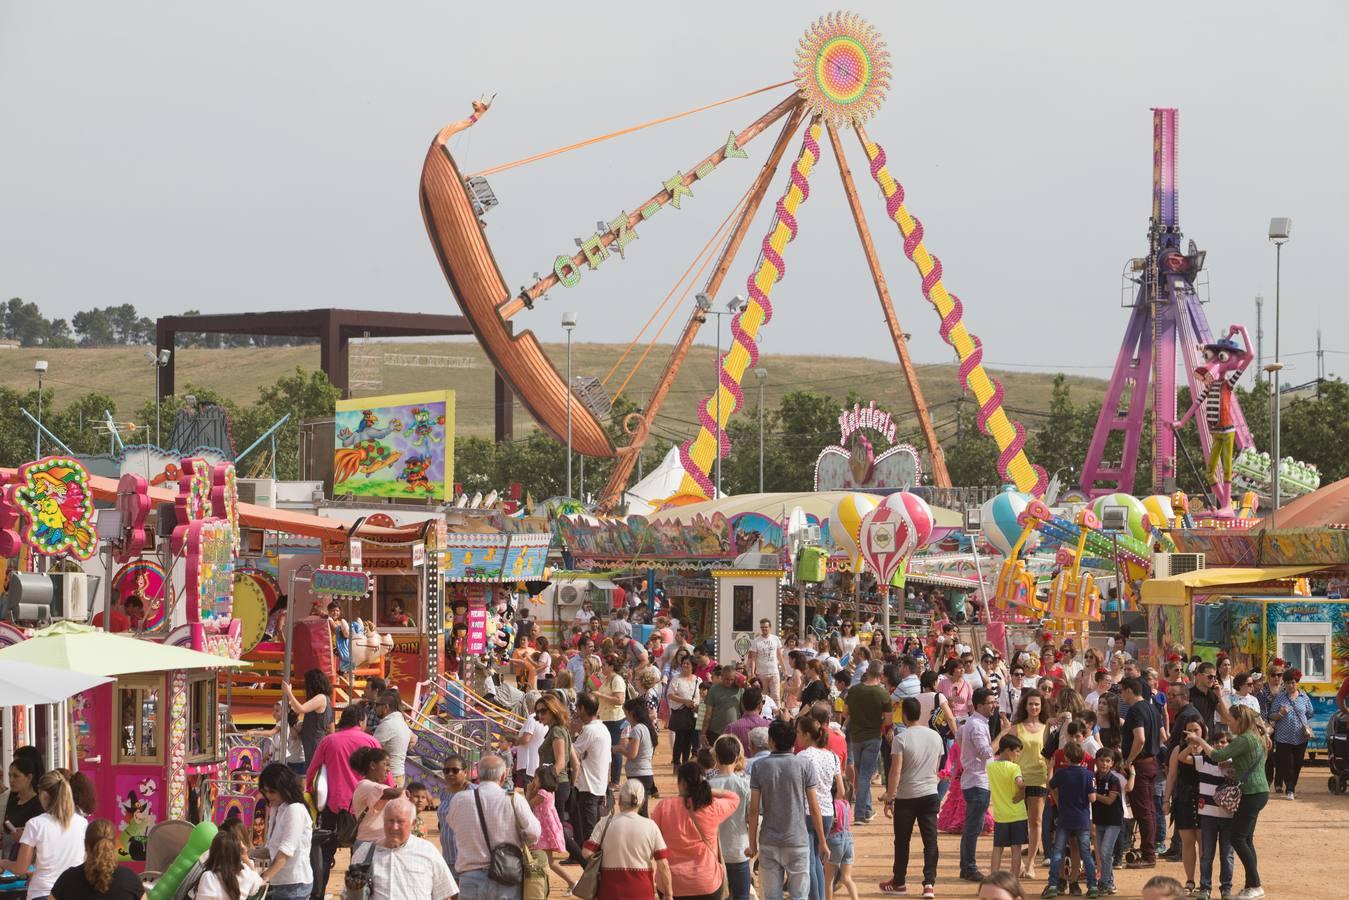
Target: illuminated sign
[{"x": 332, "y": 582}]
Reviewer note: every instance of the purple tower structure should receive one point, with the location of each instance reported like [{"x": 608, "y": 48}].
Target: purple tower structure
[{"x": 1166, "y": 313}]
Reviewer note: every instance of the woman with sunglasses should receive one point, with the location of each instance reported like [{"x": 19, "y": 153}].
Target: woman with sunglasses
[
  {"x": 289, "y": 834},
  {"x": 556, "y": 750}
]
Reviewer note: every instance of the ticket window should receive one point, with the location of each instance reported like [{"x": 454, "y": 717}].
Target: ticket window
[
  {"x": 203, "y": 718},
  {"x": 397, "y": 604},
  {"x": 138, "y": 720}
]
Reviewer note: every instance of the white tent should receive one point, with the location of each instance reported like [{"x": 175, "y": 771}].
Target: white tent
[{"x": 663, "y": 482}]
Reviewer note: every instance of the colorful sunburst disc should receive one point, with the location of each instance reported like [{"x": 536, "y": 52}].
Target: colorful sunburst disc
[{"x": 843, "y": 69}]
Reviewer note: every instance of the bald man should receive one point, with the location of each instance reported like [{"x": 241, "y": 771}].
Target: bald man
[{"x": 404, "y": 867}]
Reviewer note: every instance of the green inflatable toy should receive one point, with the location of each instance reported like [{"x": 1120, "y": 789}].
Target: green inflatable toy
[{"x": 198, "y": 842}]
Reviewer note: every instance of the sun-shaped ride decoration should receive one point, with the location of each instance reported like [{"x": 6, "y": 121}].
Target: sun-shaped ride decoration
[{"x": 843, "y": 69}]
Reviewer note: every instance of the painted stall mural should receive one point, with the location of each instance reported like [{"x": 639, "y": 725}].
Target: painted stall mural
[
  {"x": 1311, "y": 635},
  {"x": 140, "y": 804},
  {"x": 398, "y": 446}
]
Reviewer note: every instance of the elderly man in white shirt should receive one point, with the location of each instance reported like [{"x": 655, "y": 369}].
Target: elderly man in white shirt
[
  {"x": 508, "y": 819},
  {"x": 393, "y": 733},
  {"x": 404, "y": 867}
]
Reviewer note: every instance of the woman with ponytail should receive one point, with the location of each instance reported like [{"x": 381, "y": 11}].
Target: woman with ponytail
[
  {"x": 51, "y": 842},
  {"x": 690, "y": 824},
  {"x": 100, "y": 877},
  {"x": 227, "y": 875}
]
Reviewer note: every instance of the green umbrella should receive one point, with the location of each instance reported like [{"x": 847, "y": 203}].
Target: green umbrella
[{"x": 79, "y": 648}]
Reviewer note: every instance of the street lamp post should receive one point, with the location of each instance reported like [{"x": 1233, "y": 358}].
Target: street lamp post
[
  {"x": 568, "y": 323},
  {"x": 160, "y": 360},
  {"x": 40, "y": 367},
  {"x": 1279, "y": 231},
  {"x": 761, "y": 375}
]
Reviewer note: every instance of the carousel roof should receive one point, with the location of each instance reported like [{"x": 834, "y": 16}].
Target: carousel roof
[{"x": 1326, "y": 506}]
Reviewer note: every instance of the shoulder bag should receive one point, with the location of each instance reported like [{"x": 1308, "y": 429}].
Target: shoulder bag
[
  {"x": 506, "y": 860},
  {"x": 588, "y": 885},
  {"x": 1228, "y": 794},
  {"x": 359, "y": 880},
  {"x": 535, "y": 886},
  {"x": 724, "y": 892}
]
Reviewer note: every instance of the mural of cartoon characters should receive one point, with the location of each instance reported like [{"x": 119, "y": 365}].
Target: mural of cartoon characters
[
  {"x": 56, "y": 501},
  {"x": 137, "y": 816},
  {"x": 363, "y": 450},
  {"x": 423, "y": 428},
  {"x": 414, "y": 473}
]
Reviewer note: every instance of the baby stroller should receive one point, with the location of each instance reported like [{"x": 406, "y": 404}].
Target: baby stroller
[{"x": 1337, "y": 751}]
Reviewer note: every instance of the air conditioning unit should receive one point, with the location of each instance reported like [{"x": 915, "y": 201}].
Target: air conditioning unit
[
  {"x": 758, "y": 561},
  {"x": 258, "y": 491},
  {"x": 1164, "y": 565},
  {"x": 569, "y": 595},
  {"x": 812, "y": 534}
]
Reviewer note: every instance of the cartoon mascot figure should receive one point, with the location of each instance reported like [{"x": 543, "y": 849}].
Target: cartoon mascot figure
[{"x": 1224, "y": 363}]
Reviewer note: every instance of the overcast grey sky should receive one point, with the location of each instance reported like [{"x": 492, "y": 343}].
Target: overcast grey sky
[{"x": 256, "y": 156}]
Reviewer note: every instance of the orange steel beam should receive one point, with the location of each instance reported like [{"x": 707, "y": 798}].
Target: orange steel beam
[
  {"x": 940, "y": 476},
  {"x": 627, "y": 456},
  {"x": 525, "y": 299}
]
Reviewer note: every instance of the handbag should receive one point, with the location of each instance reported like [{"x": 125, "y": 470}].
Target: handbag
[
  {"x": 535, "y": 885},
  {"x": 683, "y": 719},
  {"x": 507, "y": 862},
  {"x": 1228, "y": 794},
  {"x": 359, "y": 879},
  {"x": 588, "y": 885},
  {"x": 724, "y": 892}
]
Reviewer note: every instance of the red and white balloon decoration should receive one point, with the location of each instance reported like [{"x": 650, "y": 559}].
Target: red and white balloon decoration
[{"x": 891, "y": 532}]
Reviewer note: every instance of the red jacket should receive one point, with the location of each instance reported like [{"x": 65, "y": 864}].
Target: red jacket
[{"x": 334, "y": 751}]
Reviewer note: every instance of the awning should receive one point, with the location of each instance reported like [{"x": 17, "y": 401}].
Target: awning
[
  {"x": 951, "y": 581},
  {"x": 1176, "y": 589}
]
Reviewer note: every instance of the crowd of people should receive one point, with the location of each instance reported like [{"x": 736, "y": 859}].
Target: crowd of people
[{"x": 777, "y": 757}]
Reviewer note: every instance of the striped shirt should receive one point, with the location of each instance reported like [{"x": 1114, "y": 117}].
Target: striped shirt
[
  {"x": 1211, "y": 776},
  {"x": 1217, "y": 400}
]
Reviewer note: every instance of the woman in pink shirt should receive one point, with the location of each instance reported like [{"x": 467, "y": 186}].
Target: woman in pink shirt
[
  {"x": 689, "y": 823},
  {"x": 371, "y": 794},
  {"x": 957, "y": 691}
]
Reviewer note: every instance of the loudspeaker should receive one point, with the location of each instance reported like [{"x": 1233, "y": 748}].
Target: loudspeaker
[
  {"x": 29, "y": 597},
  {"x": 166, "y": 519}
]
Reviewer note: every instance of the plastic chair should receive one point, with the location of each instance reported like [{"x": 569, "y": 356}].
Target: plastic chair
[{"x": 163, "y": 844}]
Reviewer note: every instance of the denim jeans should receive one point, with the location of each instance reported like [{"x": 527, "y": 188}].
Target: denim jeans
[
  {"x": 817, "y": 890},
  {"x": 1243, "y": 834},
  {"x": 476, "y": 885},
  {"x": 922, "y": 810},
  {"x": 740, "y": 878},
  {"x": 976, "y": 805},
  {"x": 615, "y": 730},
  {"x": 867, "y": 754},
  {"x": 1215, "y": 833},
  {"x": 1158, "y": 790},
  {"x": 1106, "y": 838},
  {"x": 775, "y": 865},
  {"x": 290, "y": 891},
  {"x": 1083, "y": 839}
]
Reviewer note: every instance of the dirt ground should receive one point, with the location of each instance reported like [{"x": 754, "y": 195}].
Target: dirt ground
[{"x": 1303, "y": 848}]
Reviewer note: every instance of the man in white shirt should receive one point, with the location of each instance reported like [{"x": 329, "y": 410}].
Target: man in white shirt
[
  {"x": 764, "y": 652},
  {"x": 619, "y": 624},
  {"x": 528, "y": 740},
  {"x": 594, "y": 748},
  {"x": 404, "y": 867},
  {"x": 393, "y": 734},
  {"x": 508, "y": 817}
]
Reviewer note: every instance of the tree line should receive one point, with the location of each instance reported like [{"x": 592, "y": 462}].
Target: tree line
[{"x": 113, "y": 326}]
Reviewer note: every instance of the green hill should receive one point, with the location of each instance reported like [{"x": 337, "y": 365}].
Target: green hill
[{"x": 394, "y": 367}]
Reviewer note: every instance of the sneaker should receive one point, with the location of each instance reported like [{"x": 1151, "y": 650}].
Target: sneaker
[
  {"x": 1093, "y": 892},
  {"x": 862, "y": 820},
  {"x": 889, "y": 887},
  {"x": 1250, "y": 893},
  {"x": 929, "y": 891},
  {"x": 1111, "y": 889},
  {"x": 973, "y": 875},
  {"x": 1171, "y": 855},
  {"x": 1290, "y": 796},
  {"x": 1201, "y": 894},
  {"x": 1048, "y": 892},
  {"x": 1226, "y": 893}
]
